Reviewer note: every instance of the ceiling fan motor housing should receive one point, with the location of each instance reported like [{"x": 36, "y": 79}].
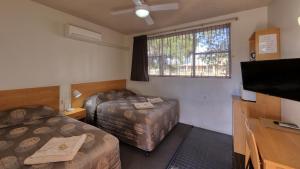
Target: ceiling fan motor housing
[{"x": 142, "y": 11}]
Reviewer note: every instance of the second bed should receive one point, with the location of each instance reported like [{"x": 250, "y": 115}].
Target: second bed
[{"x": 113, "y": 111}]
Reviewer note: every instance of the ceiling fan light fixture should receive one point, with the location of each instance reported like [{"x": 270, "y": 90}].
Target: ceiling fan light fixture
[{"x": 142, "y": 11}]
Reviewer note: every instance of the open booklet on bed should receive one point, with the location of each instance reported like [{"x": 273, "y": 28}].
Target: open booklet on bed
[{"x": 56, "y": 150}]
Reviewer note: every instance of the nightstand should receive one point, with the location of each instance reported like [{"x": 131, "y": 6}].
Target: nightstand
[{"x": 77, "y": 113}]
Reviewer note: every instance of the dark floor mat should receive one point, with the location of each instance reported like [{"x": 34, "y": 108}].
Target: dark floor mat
[{"x": 203, "y": 149}]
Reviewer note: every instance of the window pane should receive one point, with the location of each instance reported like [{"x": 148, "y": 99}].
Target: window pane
[
  {"x": 175, "y": 55},
  {"x": 154, "y": 56},
  {"x": 212, "y": 65},
  {"x": 212, "y": 40},
  {"x": 198, "y": 53},
  {"x": 153, "y": 65}
]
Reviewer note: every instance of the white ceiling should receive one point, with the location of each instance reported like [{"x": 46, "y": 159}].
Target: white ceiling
[{"x": 98, "y": 11}]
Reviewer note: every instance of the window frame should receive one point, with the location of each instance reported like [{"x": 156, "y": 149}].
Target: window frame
[{"x": 194, "y": 53}]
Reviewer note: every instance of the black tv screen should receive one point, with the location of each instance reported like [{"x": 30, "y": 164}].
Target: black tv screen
[{"x": 273, "y": 77}]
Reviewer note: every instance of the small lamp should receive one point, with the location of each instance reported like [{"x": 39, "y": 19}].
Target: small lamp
[
  {"x": 76, "y": 94},
  {"x": 299, "y": 20}
]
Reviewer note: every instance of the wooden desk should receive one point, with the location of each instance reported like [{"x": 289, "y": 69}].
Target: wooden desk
[
  {"x": 244, "y": 109},
  {"x": 278, "y": 149}
]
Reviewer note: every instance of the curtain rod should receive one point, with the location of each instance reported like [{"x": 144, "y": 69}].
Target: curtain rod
[{"x": 192, "y": 27}]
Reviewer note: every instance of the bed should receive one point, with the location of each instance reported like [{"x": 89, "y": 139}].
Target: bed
[
  {"x": 24, "y": 129},
  {"x": 113, "y": 111}
]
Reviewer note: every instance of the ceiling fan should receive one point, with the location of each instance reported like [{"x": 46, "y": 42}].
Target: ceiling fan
[{"x": 143, "y": 10}]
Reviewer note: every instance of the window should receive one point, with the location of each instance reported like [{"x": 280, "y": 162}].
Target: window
[{"x": 198, "y": 53}]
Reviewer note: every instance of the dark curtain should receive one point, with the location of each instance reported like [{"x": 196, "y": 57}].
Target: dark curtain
[{"x": 139, "y": 68}]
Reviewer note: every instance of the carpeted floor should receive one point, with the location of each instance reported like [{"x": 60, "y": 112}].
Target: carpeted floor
[
  {"x": 186, "y": 147},
  {"x": 133, "y": 158},
  {"x": 204, "y": 149}
]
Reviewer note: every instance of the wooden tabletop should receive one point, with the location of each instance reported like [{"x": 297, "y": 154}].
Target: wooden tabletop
[
  {"x": 277, "y": 148},
  {"x": 77, "y": 113}
]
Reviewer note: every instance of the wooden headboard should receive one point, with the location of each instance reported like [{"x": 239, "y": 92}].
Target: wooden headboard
[
  {"x": 48, "y": 96},
  {"x": 88, "y": 89}
]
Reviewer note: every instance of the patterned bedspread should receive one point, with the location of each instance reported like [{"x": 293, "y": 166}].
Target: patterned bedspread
[
  {"x": 144, "y": 129},
  {"x": 17, "y": 142}
]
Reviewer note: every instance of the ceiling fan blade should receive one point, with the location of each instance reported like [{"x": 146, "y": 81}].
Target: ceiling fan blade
[
  {"x": 138, "y": 2},
  {"x": 149, "y": 20},
  {"x": 125, "y": 11},
  {"x": 164, "y": 7}
]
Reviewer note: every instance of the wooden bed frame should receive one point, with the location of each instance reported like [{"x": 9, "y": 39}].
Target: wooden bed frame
[
  {"x": 48, "y": 96},
  {"x": 88, "y": 89}
]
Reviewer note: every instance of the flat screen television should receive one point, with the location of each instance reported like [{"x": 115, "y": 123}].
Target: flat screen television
[{"x": 279, "y": 78}]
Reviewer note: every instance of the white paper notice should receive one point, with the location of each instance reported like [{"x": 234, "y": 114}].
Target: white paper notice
[{"x": 268, "y": 44}]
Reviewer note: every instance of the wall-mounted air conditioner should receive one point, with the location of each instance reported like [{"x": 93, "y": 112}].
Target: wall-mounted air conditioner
[{"x": 78, "y": 33}]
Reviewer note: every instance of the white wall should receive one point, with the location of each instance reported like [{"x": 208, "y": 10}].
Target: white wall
[
  {"x": 284, "y": 14},
  {"x": 34, "y": 51},
  {"x": 206, "y": 102}
]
